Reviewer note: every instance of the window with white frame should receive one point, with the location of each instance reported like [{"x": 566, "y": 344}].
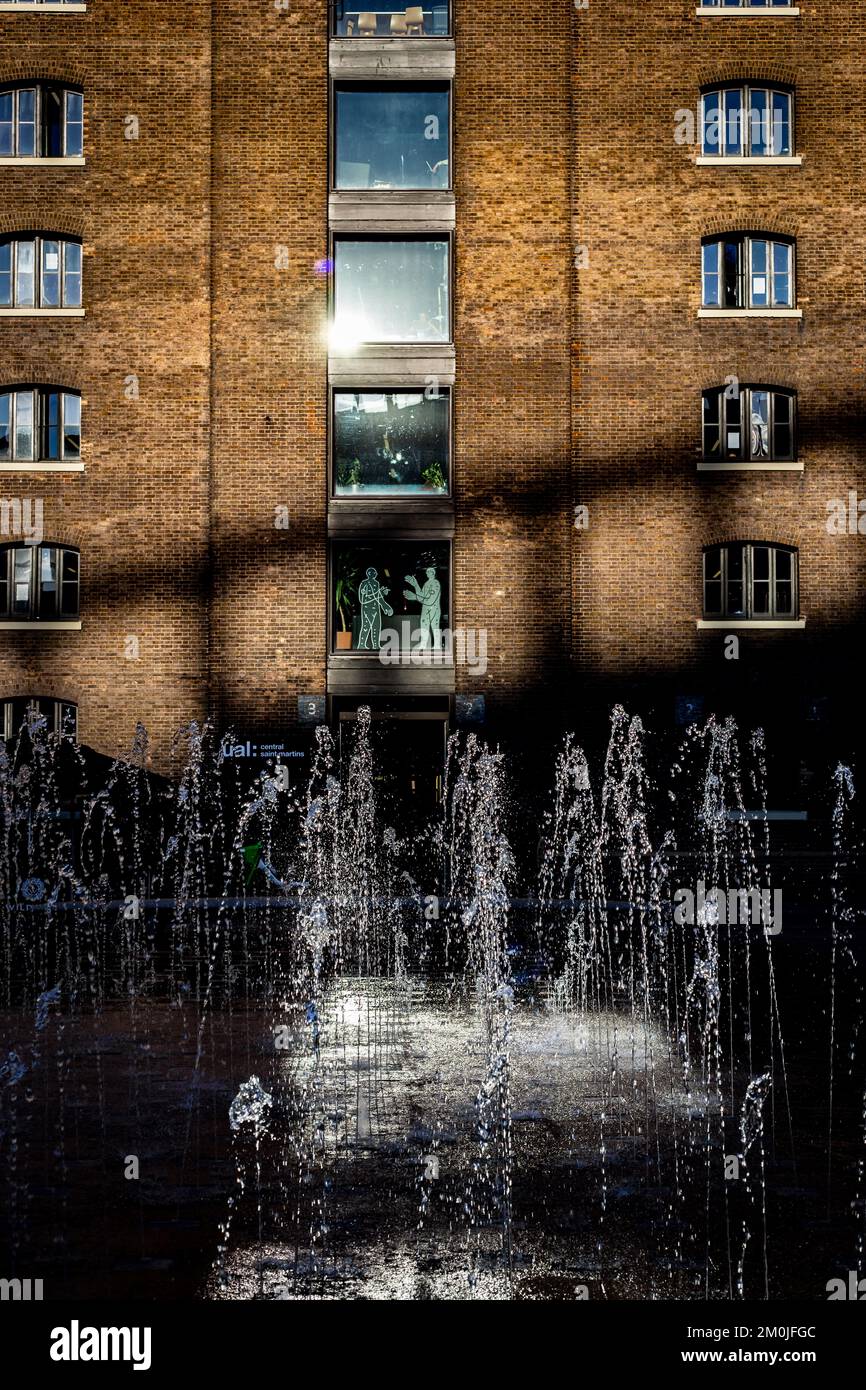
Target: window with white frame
[
  {"x": 747, "y": 270},
  {"x": 40, "y": 272},
  {"x": 39, "y": 424},
  {"x": 744, "y": 120},
  {"x": 41, "y": 120}
]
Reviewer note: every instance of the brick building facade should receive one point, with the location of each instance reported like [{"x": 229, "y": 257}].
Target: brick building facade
[
  {"x": 547, "y": 287},
  {"x": 644, "y": 204}
]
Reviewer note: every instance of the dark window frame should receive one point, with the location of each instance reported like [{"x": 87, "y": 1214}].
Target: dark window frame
[
  {"x": 61, "y": 611},
  {"x": 398, "y": 498},
  {"x": 744, "y": 396},
  {"x": 425, "y": 345},
  {"x": 427, "y": 84},
  {"x": 43, "y": 390},
  {"x": 384, "y": 538},
  {"x": 746, "y": 611},
  {"x": 61, "y": 724},
  {"x": 340, "y": 10}
]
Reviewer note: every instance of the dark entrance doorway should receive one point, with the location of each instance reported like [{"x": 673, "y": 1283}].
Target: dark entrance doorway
[{"x": 409, "y": 746}]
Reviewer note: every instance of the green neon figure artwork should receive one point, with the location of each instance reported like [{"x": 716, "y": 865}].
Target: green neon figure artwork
[
  {"x": 430, "y": 599},
  {"x": 372, "y": 598},
  {"x": 252, "y": 859}
]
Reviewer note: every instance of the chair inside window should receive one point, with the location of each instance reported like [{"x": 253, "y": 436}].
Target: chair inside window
[
  {"x": 415, "y": 20},
  {"x": 398, "y": 26},
  {"x": 367, "y": 24}
]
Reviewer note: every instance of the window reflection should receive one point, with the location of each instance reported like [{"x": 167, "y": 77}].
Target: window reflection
[
  {"x": 42, "y": 273},
  {"x": 748, "y": 422},
  {"x": 389, "y": 19},
  {"x": 39, "y": 424},
  {"x": 392, "y": 442},
  {"x": 45, "y": 121},
  {"x": 391, "y": 595},
  {"x": 392, "y": 136},
  {"x": 743, "y": 271},
  {"x": 751, "y": 581},
  {"x": 388, "y": 291},
  {"x": 40, "y": 581},
  {"x": 747, "y": 121}
]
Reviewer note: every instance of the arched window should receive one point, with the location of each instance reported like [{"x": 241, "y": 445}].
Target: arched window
[
  {"x": 41, "y": 120},
  {"x": 59, "y": 716},
  {"x": 39, "y": 424},
  {"x": 746, "y": 120},
  {"x": 751, "y": 423},
  {"x": 750, "y": 579},
  {"x": 748, "y": 270},
  {"x": 39, "y": 583},
  {"x": 40, "y": 272}
]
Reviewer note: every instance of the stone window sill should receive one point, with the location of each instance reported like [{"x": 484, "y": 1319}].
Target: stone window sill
[
  {"x": 750, "y": 313},
  {"x": 748, "y": 161},
  {"x": 66, "y": 625},
  {"x": 41, "y": 313},
  {"x": 43, "y": 9},
  {"x": 32, "y": 161},
  {"x": 42, "y": 466},
  {"x": 748, "y": 12},
  {"x": 727, "y": 624},
  {"x": 767, "y": 466}
]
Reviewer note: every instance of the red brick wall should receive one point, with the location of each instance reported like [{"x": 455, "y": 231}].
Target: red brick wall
[
  {"x": 139, "y": 512},
  {"x": 513, "y": 329},
  {"x": 269, "y": 382},
  {"x": 642, "y": 357},
  {"x": 574, "y": 386}
]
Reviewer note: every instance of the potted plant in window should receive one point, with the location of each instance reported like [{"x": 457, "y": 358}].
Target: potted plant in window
[
  {"x": 346, "y": 595},
  {"x": 433, "y": 478},
  {"x": 349, "y": 476}
]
